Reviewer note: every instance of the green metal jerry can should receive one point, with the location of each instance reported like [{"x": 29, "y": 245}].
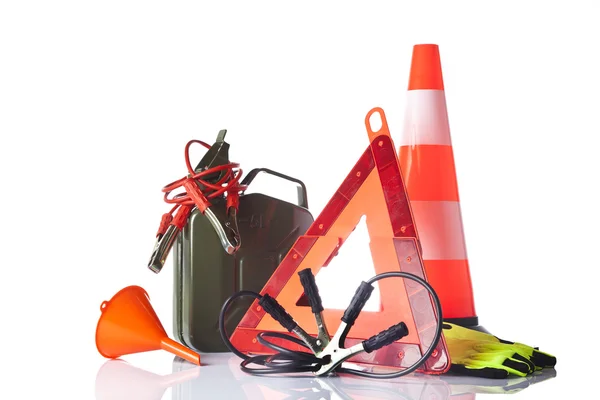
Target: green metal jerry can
[{"x": 205, "y": 275}]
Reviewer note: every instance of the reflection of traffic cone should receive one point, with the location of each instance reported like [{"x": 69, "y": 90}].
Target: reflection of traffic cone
[{"x": 427, "y": 163}]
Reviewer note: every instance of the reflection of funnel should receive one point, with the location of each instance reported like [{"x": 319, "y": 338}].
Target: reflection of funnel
[
  {"x": 128, "y": 325},
  {"x": 118, "y": 380}
]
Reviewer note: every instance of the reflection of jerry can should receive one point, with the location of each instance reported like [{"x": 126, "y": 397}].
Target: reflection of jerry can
[{"x": 205, "y": 275}]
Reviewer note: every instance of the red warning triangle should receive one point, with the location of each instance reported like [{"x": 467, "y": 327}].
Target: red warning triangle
[{"x": 374, "y": 188}]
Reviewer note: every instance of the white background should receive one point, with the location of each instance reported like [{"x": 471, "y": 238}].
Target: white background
[{"x": 98, "y": 99}]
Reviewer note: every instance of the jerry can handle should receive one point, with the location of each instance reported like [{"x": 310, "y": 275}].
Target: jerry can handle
[{"x": 302, "y": 197}]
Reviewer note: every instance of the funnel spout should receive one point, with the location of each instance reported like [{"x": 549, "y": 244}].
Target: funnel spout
[{"x": 179, "y": 350}]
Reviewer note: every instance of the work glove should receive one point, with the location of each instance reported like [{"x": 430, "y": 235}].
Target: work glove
[{"x": 480, "y": 354}]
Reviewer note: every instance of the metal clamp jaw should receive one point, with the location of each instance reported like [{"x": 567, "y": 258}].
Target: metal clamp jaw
[
  {"x": 162, "y": 247},
  {"x": 229, "y": 235}
]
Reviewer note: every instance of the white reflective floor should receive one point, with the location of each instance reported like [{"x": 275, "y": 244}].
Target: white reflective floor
[{"x": 220, "y": 378}]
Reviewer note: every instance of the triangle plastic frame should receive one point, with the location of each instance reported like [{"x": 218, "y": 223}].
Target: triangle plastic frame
[{"x": 374, "y": 188}]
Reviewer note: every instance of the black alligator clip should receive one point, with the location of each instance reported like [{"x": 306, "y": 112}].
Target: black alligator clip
[{"x": 332, "y": 352}]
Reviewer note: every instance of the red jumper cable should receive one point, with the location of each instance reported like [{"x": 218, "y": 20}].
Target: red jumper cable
[{"x": 197, "y": 194}]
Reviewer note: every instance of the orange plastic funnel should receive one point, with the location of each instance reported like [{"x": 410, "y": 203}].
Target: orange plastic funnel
[{"x": 128, "y": 325}]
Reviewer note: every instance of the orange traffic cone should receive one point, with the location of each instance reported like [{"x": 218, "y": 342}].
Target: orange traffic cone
[
  {"x": 427, "y": 163},
  {"x": 128, "y": 325}
]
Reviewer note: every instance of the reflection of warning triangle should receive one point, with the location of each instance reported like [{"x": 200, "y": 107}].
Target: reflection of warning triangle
[{"x": 373, "y": 188}]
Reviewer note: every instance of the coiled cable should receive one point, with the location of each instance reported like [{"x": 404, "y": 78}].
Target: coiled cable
[{"x": 286, "y": 361}]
